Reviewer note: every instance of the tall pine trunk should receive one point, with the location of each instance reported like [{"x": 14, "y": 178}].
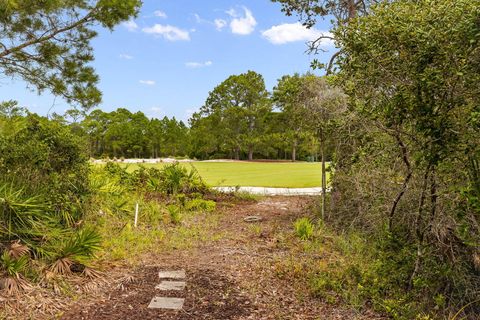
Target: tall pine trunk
[
  {"x": 294, "y": 151},
  {"x": 237, "y": 153}
]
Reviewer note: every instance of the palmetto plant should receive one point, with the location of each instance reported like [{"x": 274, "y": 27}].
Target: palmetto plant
[
  {"x": 16, "y": 249},
  {"x": 21, "y": 215},
  {"x": 103, "y": 184},
  {"x": 78, "y": 248},
  {"x": 11, "y": 269},
  {"x": 178, "y": 179}
]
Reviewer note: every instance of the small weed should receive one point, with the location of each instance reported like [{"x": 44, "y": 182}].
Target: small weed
[
  {"x": 256, "y": 229},
  {"x": 242, "y": 195},
  {"x": 200, "y": 204},
  {"x": 174, "y": 214},
  {"x": 304, "y": 228}
]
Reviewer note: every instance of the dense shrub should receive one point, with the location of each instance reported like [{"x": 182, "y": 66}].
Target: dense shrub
[
  {"x": 172, "y": 179},
  {"x": 406, "y": 171},
  {"x": 44, "y": 190}
]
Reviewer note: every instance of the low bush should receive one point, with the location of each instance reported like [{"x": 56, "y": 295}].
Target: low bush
[
  {"x": 172, "y": 179},
  {"x": 200, "y": 205},
  {"x": 174, "y": 212},
  {"x": 304, "y": 228},
  {"x": 44, "y": 193}
]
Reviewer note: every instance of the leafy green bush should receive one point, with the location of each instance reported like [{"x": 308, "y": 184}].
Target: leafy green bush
[
  {"x": 44, "y": 192},
  {"x": 177, "y": 179},
  {"x": 304, "y": 228},
  {"x": 44, "y": 157},
  {"x": 11, "y": 270},
  {"x": 172, "y": 179}
]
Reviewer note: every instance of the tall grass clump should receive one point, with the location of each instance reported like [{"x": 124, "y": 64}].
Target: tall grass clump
[{"x": 304, "y": 228}]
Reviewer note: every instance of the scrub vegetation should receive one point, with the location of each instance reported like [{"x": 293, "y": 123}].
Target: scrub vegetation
[{"x": 394, "y": 121}]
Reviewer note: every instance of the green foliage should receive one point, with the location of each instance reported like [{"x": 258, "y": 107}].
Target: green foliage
[
  {"x": 406, "y": 153},
  {"x": 287, "y": 96},
  {"x": 304, "y": 228},
  {"x": 21, "y": 215},
  {"x": 44, "y": 190},
  {"x": 79, "y": 246},
  {"x": 47, "y": 43},
  {"x": 411, "y": 71},
  {"x": 200, "y": 205},
  {"x": 13, "y": 267},
  {"x": 268, "y": 134},
  {"x": 178, "y": 179},
  {"x": 124, "y": 134},
  {"x": 235, "y": 110},
  {"x": 43, "y": 157},
  {"x": 162, "y": 224},
  {"x": 174, "y": 213}
]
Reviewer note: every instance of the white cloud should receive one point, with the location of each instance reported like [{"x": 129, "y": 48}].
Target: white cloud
[
  {"x": 196, "y": 65},
  {"x": 168, "y": 32},
  {"x": 231, "y": 12},
  {"x": 220, "y": 24},
  {"x": 130, "y": 25},
  {"x": 242, "y": 24},
  {"x": 160, "y": 14},
  {"x": 292, "y": 32},
  {"x": 148, "y": 82},
  {"x": 156, "y": 110},
  {"x": 125, "y": 56},
  {"x": 199, "y": 19}
]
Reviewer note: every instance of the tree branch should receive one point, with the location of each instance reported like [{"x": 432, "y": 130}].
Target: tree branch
[
  {"x": 399, "y": 196},
  {"x": 47, "y": 37}
]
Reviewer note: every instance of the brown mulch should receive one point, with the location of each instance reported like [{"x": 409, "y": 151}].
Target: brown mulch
[{"x": 208, "y": 295}]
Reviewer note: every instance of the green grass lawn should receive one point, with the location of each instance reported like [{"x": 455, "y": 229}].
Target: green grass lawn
[{"x": 255, "y": 174}]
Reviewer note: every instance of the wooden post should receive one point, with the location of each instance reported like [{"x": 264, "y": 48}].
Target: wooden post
[{"x": 136, "y": 214}]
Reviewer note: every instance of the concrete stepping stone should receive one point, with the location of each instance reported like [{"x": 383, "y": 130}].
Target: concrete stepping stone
[
  {"x": 166, "y": 303},
  {"x": 178, "y": 274},
  {"x": 171, "y": 285}
]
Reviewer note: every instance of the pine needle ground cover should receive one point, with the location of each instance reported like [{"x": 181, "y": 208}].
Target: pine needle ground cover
[{"x": 255, "y": 174}]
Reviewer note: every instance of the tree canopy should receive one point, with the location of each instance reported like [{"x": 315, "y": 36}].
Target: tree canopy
[
  {"x": 240, "y": 105},
  {"x": 47, "y": 43}
]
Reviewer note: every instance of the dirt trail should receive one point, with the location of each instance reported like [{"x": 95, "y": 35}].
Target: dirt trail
[{"x": 232, "y": 278}]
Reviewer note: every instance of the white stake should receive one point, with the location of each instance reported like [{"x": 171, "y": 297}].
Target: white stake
[{"x": 136, "y": 214}]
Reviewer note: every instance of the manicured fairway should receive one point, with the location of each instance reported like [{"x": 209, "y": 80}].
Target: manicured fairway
[{"x": 255, "y": 174}]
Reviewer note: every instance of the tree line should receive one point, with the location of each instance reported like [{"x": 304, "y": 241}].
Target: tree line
[{"x": 239, "y": 120}]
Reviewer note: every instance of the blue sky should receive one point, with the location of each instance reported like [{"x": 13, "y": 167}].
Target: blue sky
[{"x": 167, "y": 60}]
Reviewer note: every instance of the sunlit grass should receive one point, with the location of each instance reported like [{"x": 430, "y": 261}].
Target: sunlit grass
[{"x": 255, "y": 174}]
